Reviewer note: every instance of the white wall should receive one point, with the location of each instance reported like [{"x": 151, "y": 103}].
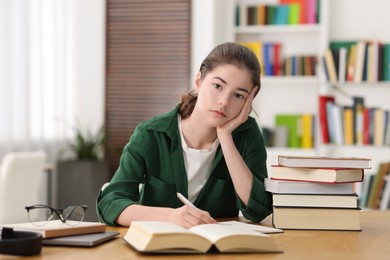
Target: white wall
[
  {"x": 210, "y": 26},
  {"x": 360, "y": 19},
  {"x": 90, "y": 62}
]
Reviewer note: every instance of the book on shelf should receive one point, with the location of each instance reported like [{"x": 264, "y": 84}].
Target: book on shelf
[
  {"x": 355, "y": 124},
  {"x": 294, "y": 14},
  {"x": 302, "y": 187},
  {"x": 366, "y": 125},
  {"x": 358, "y": 110},
  {"x": 312, "y": 11},
  {"x": 261, "y": 14},
  {"x": 342, "y": 64},
  {"x": 386, "y": 137},
  {"x": 359, "y": 61},
  {"x": 341, "y": 51},
  {"x": 280, "y": 136},
  {"x": 257, "y": 48},
  {"x": 371, "y": 61},
  {"x": 329, "y": 175},
  {"x": 284, "y": 12},
  {"x": 331, "y": 121},
  {"x": 336, "y": 112},
  {"x": 164, "y": 237},
  {"x": 377, "y": 186},
  {"x": 309, "y": 218},
  {"x": 268, "y": 50},
  {"x": 348, "y": 125},
  {"x": 270, "y": 14},
  {"x": 330, "y": 66},
  {"x": 281, "y": 14},
  {"x": 351, "y": 64},
  {"x": 56, "y": 228},
  {"x": 277, "y": 59},
  {"x": 316, "y": 200},
  {"x": 386, "y": 62},
  {"x": 365, "y": 190},
  {"x": 324, "y": 161},
  {"x": 323, "y": 99},
  {"x": 378, "y": 126},
  {"x": 308, "y": 122},
  {"x": 293, "y": 124}
]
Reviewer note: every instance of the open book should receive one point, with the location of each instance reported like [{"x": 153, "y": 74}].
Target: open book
[
  {"x": 55, "y": 228},
  {"x": 164, "y": 237}
]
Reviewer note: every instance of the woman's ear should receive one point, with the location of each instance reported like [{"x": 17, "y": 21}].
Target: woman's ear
[{"x": 198, "y": 80}]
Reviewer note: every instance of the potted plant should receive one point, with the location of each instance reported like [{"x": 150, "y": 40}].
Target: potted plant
[{"x": 80, "y": 177}]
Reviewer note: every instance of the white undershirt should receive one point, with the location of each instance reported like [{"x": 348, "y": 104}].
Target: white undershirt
[{"x": 198, "y": 163}]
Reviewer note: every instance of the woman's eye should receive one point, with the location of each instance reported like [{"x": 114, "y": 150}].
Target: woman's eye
[
  {"x": 239, "y": 96},
  {"x": 217, "y": 86}
]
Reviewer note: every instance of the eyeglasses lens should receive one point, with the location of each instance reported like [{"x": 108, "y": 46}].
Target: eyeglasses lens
[
  {"x": 39, "y": 216},
  {"x": 73, "y": 214}
]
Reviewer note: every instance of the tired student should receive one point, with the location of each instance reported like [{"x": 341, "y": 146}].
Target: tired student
[{"x": 208, "y": 148}]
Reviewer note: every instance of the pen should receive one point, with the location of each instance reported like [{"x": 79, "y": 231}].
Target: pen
[{"x": 185, "y": 200}]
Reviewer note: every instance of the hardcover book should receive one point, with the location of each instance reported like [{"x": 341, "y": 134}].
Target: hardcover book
[
  {"x": 324, "y": 162},
  {"x": 317, "y": 218},
  {"x": 303, "y": 187},
  {"x": 316, "y": 200},
  {"x": 330, "y": 175},
  {"x": 164, "y": 237},
  {"x": 56, "y": 228}
]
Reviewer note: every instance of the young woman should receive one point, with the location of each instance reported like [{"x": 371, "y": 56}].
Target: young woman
[{"x": 208, "y": 148}]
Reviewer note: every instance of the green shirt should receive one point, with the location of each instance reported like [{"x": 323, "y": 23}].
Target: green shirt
[{"x": 153, "y": 157}]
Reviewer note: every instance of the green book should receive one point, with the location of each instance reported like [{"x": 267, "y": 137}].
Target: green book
[
  {"x": 386, "y": 62},
  {"x": 271, "y": 12},
  {"x": 340, "y": 44},
  {"x": 293, "y": 124},
  {"x": 293, "y": 14}
]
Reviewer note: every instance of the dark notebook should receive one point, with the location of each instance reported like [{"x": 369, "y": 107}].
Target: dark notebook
[{"x": 86, "y": 240}]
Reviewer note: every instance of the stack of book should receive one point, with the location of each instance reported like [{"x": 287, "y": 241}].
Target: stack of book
[{"x": 316, "y": 192}]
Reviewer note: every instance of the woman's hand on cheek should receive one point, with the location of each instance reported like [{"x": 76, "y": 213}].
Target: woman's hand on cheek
[{"x": 228, "y": 127}]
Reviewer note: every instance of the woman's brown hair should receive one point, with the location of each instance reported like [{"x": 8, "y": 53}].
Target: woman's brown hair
[{"x": 225, "y": 53}]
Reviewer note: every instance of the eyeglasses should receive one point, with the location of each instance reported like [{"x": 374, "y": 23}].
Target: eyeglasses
[{"x": 40, "y": 215}]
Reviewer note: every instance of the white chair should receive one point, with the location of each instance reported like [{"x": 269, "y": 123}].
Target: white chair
[{"x": 21, "y": 183}]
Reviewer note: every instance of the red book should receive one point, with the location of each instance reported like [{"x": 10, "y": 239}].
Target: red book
[
  {"x": 277, "y": 62},
  {"x": 366, "y": 126},
  {"x": 323, "y": 117}
]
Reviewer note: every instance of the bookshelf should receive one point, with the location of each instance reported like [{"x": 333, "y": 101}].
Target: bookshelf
[
  {"x": 339, "y": 21},
  {"x": 297, "y": 93}
]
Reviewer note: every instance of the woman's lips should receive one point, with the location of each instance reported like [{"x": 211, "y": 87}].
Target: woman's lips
[{"x": 220, "y": 113}]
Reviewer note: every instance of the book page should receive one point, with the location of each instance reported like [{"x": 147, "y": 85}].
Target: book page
[
  {"x": 157, "y": 227},
  {"x": 214, "y": 232},
  {"x": 258, "y": 228}
]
